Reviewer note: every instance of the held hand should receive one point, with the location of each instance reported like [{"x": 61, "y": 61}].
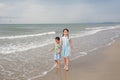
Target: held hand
[{"x": 59, "y": 52}]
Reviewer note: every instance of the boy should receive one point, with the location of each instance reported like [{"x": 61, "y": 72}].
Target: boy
[{"x": 57, "y": 50}]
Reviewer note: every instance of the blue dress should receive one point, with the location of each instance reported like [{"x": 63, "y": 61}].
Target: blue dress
[{"x": 66, "y": 50}]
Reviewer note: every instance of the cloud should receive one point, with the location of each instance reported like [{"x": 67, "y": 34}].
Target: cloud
[
  {"x": 3, "y": 6},
  {"x": 58, "y": 11}
]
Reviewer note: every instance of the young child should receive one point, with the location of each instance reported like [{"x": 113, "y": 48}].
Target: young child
[
  {"x": 66, "y": 46},
  {"x": 57, "y": 50}
]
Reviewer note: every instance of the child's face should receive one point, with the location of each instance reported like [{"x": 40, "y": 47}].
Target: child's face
[
  {"x": 66, "y": 32},
  {"x": 57, "y": 41}
]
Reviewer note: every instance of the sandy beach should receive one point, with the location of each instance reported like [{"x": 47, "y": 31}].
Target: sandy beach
[{"x": 102, "y": 64}]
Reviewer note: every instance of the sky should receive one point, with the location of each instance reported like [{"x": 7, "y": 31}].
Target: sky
[{"x": 58, "y": 11}]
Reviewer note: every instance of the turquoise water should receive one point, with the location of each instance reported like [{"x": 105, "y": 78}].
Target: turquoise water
[{"x": 24, "y": 47}]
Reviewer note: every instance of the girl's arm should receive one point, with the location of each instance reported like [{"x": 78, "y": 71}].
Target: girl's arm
[
  {"x": 71, "y": 45},
  {"x": 60, "y": 46}
]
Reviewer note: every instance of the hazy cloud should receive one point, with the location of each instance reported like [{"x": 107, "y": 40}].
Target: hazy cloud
[{"x": 58, "y": 11}]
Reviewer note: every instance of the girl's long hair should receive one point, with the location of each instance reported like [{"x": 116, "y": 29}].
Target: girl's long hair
[{"x": 66, "y": 30}]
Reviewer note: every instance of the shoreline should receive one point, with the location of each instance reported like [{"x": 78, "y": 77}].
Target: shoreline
[{"x": 99, "y": 65}]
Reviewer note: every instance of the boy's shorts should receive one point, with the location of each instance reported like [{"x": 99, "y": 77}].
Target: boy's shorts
[{"x": 57, "y": 56}]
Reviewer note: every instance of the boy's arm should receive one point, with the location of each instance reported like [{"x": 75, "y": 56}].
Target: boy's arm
[{"x": 51, "y": 49}]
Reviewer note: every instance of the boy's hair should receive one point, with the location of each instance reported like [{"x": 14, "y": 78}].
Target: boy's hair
[{"x": 57, "y": 38}]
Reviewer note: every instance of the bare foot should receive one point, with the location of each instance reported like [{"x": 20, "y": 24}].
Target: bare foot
[{"x": 66, "y": 68}]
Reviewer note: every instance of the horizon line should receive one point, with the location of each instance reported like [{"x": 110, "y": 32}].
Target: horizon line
[{"x": 67, "y": 23}]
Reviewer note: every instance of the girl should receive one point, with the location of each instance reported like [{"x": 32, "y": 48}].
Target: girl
[{"x": 66, "y": 46}]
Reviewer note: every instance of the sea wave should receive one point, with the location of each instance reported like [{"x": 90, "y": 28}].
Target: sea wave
[
  {"x": 30, "y": 35},
  {"x": 18, "y": 47}
]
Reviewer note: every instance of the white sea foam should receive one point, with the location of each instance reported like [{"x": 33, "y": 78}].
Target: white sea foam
[
  {"x": 19, "y": 48},
  {"x": 92, "y": 31},
  {"x": 113, "y": 40},
  {"x": 103, "y": 27},
  {"x": 25, "y": 36},
  {"x": 92, "y": 49},
  {"x": 93, "y": 28},
  {"x": 86, "y": 33},
  {"x": 43, "y": 74},
  {"x": 80, "y": 54}
]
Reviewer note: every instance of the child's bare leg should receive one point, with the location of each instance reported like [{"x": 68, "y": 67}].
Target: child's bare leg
[
  {"x": 67, "y": 60},
  {"x": 57, "y": 63},
  {"x": 64, "y": 63},
  {"x": 67, "y": 63}
]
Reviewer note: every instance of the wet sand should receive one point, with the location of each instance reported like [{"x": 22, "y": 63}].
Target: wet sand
[{"x": 103, "y": 64}]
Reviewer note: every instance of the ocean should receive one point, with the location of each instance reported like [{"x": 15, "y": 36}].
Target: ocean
[{"x": 24, "y": 48}]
